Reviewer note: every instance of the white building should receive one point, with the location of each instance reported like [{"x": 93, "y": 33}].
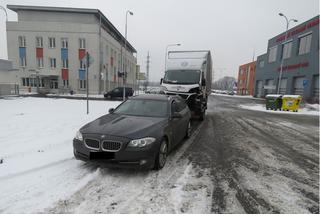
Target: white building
[
  {"x": 50, "y": 43},
  {"x": 8, "y": 78}
]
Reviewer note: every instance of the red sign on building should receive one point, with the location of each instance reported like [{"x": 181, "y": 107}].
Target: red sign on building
[
  {"x": 65, "y": 74},
  {"x": 39, "y": 52}
]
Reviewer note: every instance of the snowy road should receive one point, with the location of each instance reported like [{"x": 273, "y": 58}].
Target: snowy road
[
  {"x": 237, "y": 161},
  {"x": 260, "y": 162}
]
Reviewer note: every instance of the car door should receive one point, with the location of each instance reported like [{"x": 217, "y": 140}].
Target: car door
[
  {"x": 174, "y": 123},
  {"x": 183, "y": 121},
  {"x": 119, "y": 92}
]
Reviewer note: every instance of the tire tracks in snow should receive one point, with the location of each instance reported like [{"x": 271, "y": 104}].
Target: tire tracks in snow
[
  {"x": 234, "y": 150},
  {"x": 128, "y": 191}
]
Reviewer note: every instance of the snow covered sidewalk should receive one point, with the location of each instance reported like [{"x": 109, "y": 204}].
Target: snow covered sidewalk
[
  {"x": 36, "y": 148},
  {"x": 307, "y": 110}
]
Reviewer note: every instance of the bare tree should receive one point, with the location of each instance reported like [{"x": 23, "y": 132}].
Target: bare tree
[{"x": 224, "y": 83}]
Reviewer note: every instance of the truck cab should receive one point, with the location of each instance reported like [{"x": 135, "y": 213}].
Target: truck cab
[{"x": 189, "y": 75}]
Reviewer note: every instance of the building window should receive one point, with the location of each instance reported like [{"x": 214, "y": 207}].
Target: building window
[
  {"x": 40, "y": 62},
  {"x": 305, "y": 44},
  {"x": 83, "y": 63},
  {"x": 65, "y": 63},
  {"x": 65, "y": 83},
  {"x": 261, "y": 64},
  {"x": 82, "y": 84},
  {"x": 107, "y": 52},
  {"x": 82, "y": 43},
  {"x": 64, "y": 43},
  {"x": 22, "y": 41},
  {"x": 39, "y": 42},
  {"x": 286, "y": 50},
  {"x": 119, "y": 63},
  {"x": 53, "y": 62},
  {"x": 54, "y": 84},
  {"x": 52, "y": 42},
  {"x": 273, "y": 53},
  {"x": 23, "y": 62}
]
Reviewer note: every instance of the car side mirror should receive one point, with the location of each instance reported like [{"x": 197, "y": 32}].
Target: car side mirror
[
  {"x": 176, "y": 115},
  {"x": 111, "y": 110},
  {"x": 161, "y": 80}
]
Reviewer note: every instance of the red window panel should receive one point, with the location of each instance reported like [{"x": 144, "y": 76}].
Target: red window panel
[
  {"x": 39, "y": 52},
  {"x": 65, "y": 74},
  {"x": 82, "y": 53}
]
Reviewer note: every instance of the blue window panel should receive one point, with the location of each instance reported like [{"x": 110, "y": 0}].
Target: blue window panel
[
  {"x": 22, "y": 52},
  {"x": 64, "y": 53},
  {"x": 82, "y": 74}
]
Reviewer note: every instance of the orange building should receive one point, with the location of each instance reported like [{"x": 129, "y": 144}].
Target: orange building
[{"x": 246, "y": 78}]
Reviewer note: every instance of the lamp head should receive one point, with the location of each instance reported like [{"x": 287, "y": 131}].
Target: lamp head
[
  {"x": 131, "y": 13},
  {"x": 281, "y": 14},
  {"x": 295, "y": 20}
]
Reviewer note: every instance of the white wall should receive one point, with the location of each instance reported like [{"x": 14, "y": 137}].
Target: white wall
[{"x": 71, "y": 26}]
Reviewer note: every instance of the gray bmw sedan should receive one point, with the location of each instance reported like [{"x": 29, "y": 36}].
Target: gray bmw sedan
[{"x": 140, "y": 132}]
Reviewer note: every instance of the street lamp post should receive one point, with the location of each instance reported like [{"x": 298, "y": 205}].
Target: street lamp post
[
  {"x": 2, "y": 8},
  {"x": 165, "y": 59},
  {"x": 125, "y": 54},
  {"x": 285, "y": 40}
]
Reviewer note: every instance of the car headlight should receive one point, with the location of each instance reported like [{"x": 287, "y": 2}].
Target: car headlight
[
  {"x": 141, "y": 142},
  {"x": 163, "y": 88},
  {"x": 78, "y": 136}
]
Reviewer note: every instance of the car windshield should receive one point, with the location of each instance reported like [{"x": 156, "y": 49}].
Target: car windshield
[
  {"x": 147, "y": 108},
  {"x": 182, "y": 76}
]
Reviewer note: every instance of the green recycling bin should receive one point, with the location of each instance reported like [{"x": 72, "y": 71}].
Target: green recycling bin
[{"x": 274, "y": 102}]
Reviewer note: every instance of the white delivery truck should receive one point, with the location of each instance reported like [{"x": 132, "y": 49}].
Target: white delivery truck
[{"x": 189, "y": 74}]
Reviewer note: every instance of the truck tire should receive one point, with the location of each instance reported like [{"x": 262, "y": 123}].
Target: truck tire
[{"x": 202, "y": 115}]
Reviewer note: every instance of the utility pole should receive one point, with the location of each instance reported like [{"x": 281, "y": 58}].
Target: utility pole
[
  {"x": 148, "y": 67},
  {"x": 87, "y": 81}
]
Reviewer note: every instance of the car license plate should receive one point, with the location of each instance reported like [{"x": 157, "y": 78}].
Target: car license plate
[{"x": 101, "y": 155}]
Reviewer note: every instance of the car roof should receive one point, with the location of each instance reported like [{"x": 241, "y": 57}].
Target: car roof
[{"x": 154, "y": 97}]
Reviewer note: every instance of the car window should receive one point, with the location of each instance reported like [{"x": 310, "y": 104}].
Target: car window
[
  {"x": 148, "y": 108},
  {"x": 116, "y": 90}
]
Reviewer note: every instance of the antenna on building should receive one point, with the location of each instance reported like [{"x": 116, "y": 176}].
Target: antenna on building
[{"x": 148, "y": 67}]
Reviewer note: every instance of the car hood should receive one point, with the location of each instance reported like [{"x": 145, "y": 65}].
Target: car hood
[{"x": 124, "y": 125}]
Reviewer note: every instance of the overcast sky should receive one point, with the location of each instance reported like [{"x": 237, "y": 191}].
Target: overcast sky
[{"x": 231, "y": 29}]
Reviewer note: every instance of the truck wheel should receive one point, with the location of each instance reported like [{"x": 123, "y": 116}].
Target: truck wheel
[
  {"x": 202, "y": 115},
  {"x": 188, "y": 131}
]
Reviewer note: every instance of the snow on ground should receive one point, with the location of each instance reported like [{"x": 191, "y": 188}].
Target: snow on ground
[
  {"x": 191, "y": 193},
  {"x": 237, "y": 96},
  {"x": 40, "y": 175},
  {"x": 36, "y": 147},
  {"x": 301, "y": 111},
  {"x": 76, "y": 95},
  {"x": 85, "y": 95}
]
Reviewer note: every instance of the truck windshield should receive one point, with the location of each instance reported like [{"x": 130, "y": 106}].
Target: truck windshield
[{"x": 182, "y": 76}]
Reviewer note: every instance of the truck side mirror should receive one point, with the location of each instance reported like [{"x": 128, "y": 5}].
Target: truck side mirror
[
  {"x": 203, "y": 83},
  {"x": 161, "y": 80}
]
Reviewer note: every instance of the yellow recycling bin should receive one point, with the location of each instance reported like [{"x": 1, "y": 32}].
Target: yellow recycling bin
[{"x": 291, "y": 102}]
